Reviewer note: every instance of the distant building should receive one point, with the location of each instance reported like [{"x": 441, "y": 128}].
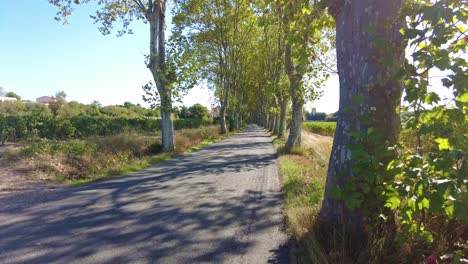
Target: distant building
[
  {"x": 313, "y": 110},
  {"x": 46, "y": 99},
  {"x": 7, "y": 99}
]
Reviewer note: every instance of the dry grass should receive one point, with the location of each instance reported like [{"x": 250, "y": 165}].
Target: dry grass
[
  {"x": 304, "y": 175},
  {"x": 134, "y": 144},
  {"x": 187, "y": 138},
  {"x": 100, "y": 157}
]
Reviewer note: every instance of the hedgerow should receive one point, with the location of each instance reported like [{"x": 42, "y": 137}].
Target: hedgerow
[{"x": 14, "y": 128}]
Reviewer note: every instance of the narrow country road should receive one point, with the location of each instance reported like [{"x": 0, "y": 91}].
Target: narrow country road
[{"x": 221, "y": 204}]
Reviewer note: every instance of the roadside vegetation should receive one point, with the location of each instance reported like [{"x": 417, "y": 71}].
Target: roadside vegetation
[
  {"x": 70, "y": 142},
  {"x": 303, "y": 172},
  {"x": 18, "y": 128},
  {"x": 395, "y": 188},
  {"x": 321, "y": 128},
  {"x": 84, "y": 160}
]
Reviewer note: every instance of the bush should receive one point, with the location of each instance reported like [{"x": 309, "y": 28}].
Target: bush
[{"x": 155, "y": 148}]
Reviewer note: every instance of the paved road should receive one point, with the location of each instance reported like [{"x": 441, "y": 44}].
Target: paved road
[{"x": 221, "y": 204}]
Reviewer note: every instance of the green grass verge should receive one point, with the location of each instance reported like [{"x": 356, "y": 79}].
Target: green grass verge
[{"x": 303, "y": 174}]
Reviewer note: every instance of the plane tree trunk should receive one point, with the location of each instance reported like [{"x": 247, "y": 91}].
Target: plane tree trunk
[
  {"x": 296, "y": 91},
  {"x": 368, "y": 88},
  {"x": 282, "y": 117},
  {"x": 156, "y": 16},
  {"x": 222, "y": 120},
  {"x": 295, "y": 132}
]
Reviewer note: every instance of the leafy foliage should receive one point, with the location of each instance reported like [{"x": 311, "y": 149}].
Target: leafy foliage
[
  {"x": 196, "y": 111},
  {"x": 431, "y": 176},
  {"x": 424, "y": 186}
]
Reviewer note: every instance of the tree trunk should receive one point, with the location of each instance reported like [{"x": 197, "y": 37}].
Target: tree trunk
[
  {"x": 167, "y": 132},
  {"x": 275, "y": 122},
  {"x": 273, "y": 116},
  {"x": 295, "y": 132},
  {"x": 239, "y": 121},
  {"x": 156, "y": 65},
  {"x": 296, "y": 91},
  {"x": 268, "y": 123},
  {"x": 367, "y": 88},
  {"x": 222, "y": 120},
  {"x": 282, "y": 120}
]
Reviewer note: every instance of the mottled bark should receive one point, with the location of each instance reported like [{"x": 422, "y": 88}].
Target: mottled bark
[
  {"x": 273, "y": 124},
  {"x": 222, "y": 120},
  {"x": 282, "y": 119},
  {"x": 156, "y": 16},
  {"x": 367, "y": 88},
  {"x": 277, "y": 124},
  {"x": 295, "y": 132},
  {"x": 268, "y": 120},
  {"x": 296, "y": 91}
]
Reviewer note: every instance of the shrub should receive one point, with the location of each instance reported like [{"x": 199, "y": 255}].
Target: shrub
[{"x": 155, "y": 148}]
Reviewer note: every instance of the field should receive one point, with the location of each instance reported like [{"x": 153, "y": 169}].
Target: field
[{"x": 321, "y": 128}]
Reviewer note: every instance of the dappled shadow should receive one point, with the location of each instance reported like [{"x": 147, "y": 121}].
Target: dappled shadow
[{"x": 213, "y": 205}]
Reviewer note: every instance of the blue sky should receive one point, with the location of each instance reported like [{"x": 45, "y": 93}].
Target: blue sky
[{"x": 40, "y": 56}]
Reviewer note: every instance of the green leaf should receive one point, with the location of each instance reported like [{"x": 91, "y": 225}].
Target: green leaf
[
  {"x": 306, "y": 11},
  {"x": 463, "y": 98},
  {"x": 443, "y": 143},
  {"x": 393, "y": 202},
  {"x": 449, "y": 208},
  {"x": 424, "y": 204}
]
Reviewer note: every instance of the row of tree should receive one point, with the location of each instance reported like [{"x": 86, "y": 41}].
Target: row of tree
[
  {"x": 263, "y": 57},
  {"x": 237, "y": 47}
]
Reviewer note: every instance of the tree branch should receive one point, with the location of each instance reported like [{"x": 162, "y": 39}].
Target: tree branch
[{"x": 141, "y": 6}]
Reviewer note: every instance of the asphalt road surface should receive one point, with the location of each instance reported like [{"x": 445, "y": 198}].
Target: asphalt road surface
[{"x": 221, "y": 204}]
